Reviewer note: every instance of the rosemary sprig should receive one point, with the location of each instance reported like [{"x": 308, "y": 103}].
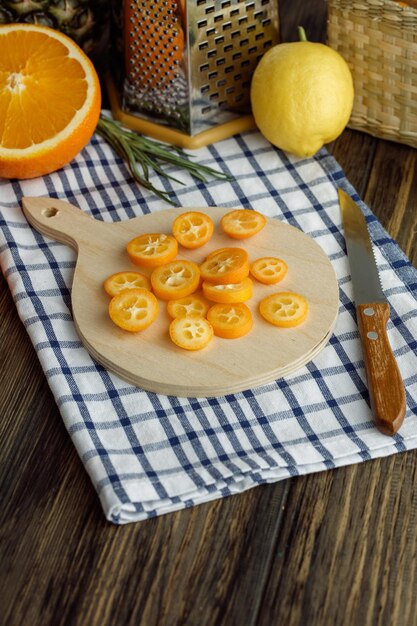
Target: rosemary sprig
[{"x": 143, "y": 154}]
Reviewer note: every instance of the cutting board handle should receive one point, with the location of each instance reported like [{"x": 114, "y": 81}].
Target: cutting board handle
[{"x": 62, "y": 221}]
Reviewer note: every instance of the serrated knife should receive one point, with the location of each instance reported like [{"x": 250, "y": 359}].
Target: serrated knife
[{"x": 386, "y": 388}]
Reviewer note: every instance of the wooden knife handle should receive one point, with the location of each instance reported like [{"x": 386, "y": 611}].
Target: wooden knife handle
[{"x": 386, "y": 388}]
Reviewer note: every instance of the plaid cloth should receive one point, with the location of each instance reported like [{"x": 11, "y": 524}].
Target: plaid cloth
[{"x": 149, "y": 454}]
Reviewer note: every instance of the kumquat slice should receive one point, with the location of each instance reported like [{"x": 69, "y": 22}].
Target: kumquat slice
[
  {"x": 121, "y": 281},
  {"x": 213, "y": 252},
  {"x": 229, "y": 265},
  {"x": 133, "y": 310},
  {"x": 194, "y": 305},
  {"x": 268, "y": 270},
  {"x": 284, "y": 309},
  {"x": 230, "y": 321},
  {"x": 176, "y": 279},
  {"x": 191, "y": 333},
  {"x": 229, "y": 293},
  {"x": 242, "y": 223},
  {"x": 192, "y": 229},
  {"x": 152, "y": 249}
]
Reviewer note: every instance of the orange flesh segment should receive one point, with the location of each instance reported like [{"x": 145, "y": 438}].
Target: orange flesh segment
[{"x": 36, "y": 103}]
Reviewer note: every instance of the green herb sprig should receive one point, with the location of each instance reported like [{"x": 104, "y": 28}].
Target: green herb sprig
[{"x": 143, "y": 155}]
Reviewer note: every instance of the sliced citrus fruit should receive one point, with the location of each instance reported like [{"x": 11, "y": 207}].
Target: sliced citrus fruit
[
  {"x": 228, "y": 265},
  {"x": 49, "y": 100},
  {"x": 268, "y": 270},
  {"x": 242, "y": 223},
  {"x": 133, "y": 310},
  {"x": 121, "y": 281},
  {"x": 176, "y": 279},
  {"x": 194, "y": 305},
  {"x": 229, "y": 293},
  {"x": 191, "y": 333},
  {"x": 152, "y": 249},
  {"x": 213, "y": 252},
  {"x": 230, "y": 321},
  {"x": 192, "y": 229},
  {"x": 285, "y": 309}
]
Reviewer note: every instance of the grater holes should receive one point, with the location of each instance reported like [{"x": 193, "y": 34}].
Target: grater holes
[
  {"x": 259, "y": 36},
  {"x": 202, "y": 24},
  {"x": 227, "y": 26},
  {"x": 204, "y": 89},
  {"x": 221, "y": 83},
  {"x": 266, "y": 22},
  {"x": 210, "y": 9},
  {"x": 203, "y": 45},
  {"x": 220, "y": 61}
]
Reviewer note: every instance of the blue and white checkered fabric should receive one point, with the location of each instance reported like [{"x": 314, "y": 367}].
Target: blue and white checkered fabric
[{"x": 150, "y": 454}]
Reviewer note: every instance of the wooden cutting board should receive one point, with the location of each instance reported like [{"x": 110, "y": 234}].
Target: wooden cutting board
[{"x": 149, "y": 359}]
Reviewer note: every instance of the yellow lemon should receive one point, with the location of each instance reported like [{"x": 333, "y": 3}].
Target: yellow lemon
[{"x": 301, "y": 96}]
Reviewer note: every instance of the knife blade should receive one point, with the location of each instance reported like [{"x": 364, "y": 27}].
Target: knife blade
[{"x": 385, "y": 385}]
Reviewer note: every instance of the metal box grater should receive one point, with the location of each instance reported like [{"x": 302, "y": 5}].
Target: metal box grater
[{"x": 185, "y": 65}]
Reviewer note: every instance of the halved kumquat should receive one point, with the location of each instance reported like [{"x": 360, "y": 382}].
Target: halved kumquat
[
  {"x": 191, "y": 333},
  {"x": 133, "y": 310},
  {"x": 229, "y": 265},
  {"x": 242, "y": 223},
  {"x": 285, "y": 309},
  {"x": 194, "y": 305},
  {"x": 192, "y": 229},
  {"x": 230, "y": 321},
  {"x": 176, "y": 279},
  {"x": 152, "y": 249},
  {"x": 268, "y": 270},
  {"x": 229, "y": 293},
  {"x": 121, "y": 281}
]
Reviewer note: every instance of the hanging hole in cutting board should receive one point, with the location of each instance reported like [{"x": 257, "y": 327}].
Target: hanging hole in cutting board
[{"x": 50, "y": 212}]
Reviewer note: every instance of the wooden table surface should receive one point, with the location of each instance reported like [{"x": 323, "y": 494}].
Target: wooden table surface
[{"x": 328, "y": 549}]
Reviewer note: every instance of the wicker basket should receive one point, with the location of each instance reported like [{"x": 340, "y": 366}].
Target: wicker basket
[{"x": 378, "y": 39}]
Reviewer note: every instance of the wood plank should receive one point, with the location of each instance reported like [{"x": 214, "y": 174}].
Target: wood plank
[
  {"x": 392, "y": 194},
  {"x": 64, "y": 564},
  {"x": 346, "y": 555},
  {"x": 355, "y": 152}
]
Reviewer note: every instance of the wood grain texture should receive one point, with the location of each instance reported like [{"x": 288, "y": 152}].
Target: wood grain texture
[
  {"x": 385, "y": 385},
  {"x": 224, "y": 366},
  {"x": 337, "y": 548}
]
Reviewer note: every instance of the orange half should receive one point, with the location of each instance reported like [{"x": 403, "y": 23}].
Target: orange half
[{"x": 49, "y": 100}]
